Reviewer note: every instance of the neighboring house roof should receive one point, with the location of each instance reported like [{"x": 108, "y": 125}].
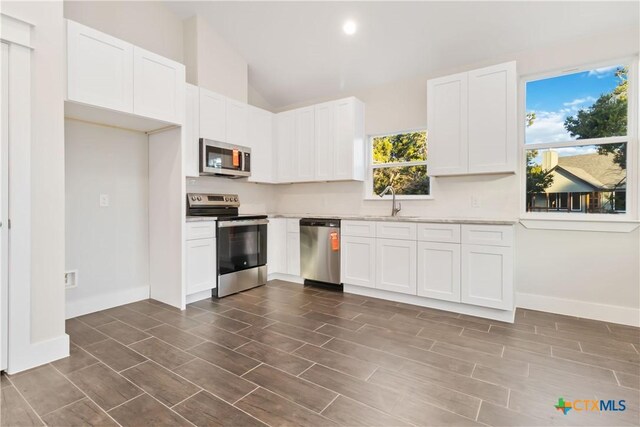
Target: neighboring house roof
[{"x": 597, "y": 170}]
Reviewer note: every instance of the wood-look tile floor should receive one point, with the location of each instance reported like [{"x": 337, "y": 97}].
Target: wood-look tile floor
[{"x": 283, "y": 354}]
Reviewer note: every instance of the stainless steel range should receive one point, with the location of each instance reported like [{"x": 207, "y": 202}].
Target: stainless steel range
[{"x": 241, "y": 241}]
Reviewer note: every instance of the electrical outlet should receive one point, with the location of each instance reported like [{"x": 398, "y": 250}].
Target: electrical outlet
[
  {"x": 71, "y": 279},
  {"x": 104, "y": 200},
  {"x": 475, "y": 202}
]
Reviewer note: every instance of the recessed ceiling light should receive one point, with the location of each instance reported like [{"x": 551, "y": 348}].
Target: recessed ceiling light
[{"x": 349, "y": 28}]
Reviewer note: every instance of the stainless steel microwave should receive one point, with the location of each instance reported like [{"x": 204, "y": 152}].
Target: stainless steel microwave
[{"x": 220, "y": 158}]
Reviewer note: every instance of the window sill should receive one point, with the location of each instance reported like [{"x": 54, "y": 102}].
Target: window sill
[
  {"x": 403, "y": 198},
  {"x": 609, "y": 225}
]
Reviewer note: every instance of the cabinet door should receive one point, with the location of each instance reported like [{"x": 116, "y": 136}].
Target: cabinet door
[
  {"x": 358, "y": 261},
  {"x": 212, "y": 116},
  {"x": 487, "y": 276},
  {"x": 349, "y": 154},
  {"x": 99, "y": 69},
  {"x": 324, "y": 141},
  {"x": 305, "y": 142},
  {"x": 158, "y": 86},
  {"x": 201, "y": 265},
  {"x": 277, "y": 245},
  {"x": 286, "y": 144},
  {"x": 191, "y": 119},
  {"x": 260, "y": 140},
  {"x": 293, "y": 254},
  {"x": 492, "y": 119},
  {"x": 447, "y": 125},
  {"x": 439, "y": 270},
  {"x": 237, "y": 122},
  {"x": 396, "y": 265}
]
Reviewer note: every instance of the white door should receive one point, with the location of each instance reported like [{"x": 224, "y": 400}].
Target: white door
[
  {"x": 344, "y": 145},
  {"x": 191, "y": 143},
  {"x": 4, "y": 208},
  {"x": 212, "y": 116},
  {"x": 358, "y": 261},
  {"x": 487, "y": 276},
  {"x": 447, "y": 125},
  {"x": 293, "y": 253},
  {"x": 492, "y": 119},
  {"x": 305, "y": 141},
  {"x": 439, "y": 270},
  {"x": 158, "y": 87},
  {"x": 396, "y": 265},
  {"x": 201, "y": 265},
  {"x": 260, "y": 140},
  {"x": 237, "y": 122},
  {"x": 286, "y": 146},
  {"x": 99, "y": 69},
  {"x": 325, "y": 140},
  {"x": 277, "y": 245}
]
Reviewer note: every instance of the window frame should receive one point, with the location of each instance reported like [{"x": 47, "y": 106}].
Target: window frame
[
  {"x": 631, "y": 139},
  {"x": 368, "y": 188}
]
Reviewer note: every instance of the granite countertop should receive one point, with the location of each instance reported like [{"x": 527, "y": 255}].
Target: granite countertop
[{"x": 401, "y": 218}]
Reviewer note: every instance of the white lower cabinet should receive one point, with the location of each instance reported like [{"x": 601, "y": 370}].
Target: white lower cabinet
[
  {"x": 358, "y": 261},
  {"x": 201, "y": 265},
  {"x": 439, "y": 270},
  {"x": 283, "y": 246},
  {"x": 293, "y": 253},
  {"x": 487, "y": 276},
  {"x": 396, "y": 265}
]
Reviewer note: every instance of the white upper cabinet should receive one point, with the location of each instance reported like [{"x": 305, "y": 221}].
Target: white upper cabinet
[
  {"x": 158, "y": 86},
  {"x": 260, "y": 139},
  {"x": 191, "y": 125},
  {"x": 286, "y": 149},
  {"x": 348, "y": 152},
  {"x": 237, "y": 121},
  {"x": 325, "y": 137},
  {"x": 471, "y": 119},
  {"x": 213, "y": 117},
  {"x": 447, "y": 125},
  {"x": 492, "y": 119},
  {"x": 105, "y": 72},
  {"x": 99, "y": 69},
  {"x": 305, "y": 145}
]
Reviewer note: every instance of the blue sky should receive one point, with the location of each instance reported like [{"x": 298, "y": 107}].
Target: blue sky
[{"x": 554, "y": 99}]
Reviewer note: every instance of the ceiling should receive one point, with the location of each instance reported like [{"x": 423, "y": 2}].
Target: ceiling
[{"x": 297, "y": 51}]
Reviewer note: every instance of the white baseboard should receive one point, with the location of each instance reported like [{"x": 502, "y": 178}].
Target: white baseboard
[
  {"x": 471, "y": 310},
  {"x": 104, "y": 301},
  {"x": 199, "y": 296},
  {"x": 588, "y": 310},
  {"x": 39, "y": 353},
  {"x": 286, "y": 277}
]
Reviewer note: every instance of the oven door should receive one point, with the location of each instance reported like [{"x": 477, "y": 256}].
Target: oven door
[
  {"x": 218, "y": 158},
  {"x": 242, "y": 244}
]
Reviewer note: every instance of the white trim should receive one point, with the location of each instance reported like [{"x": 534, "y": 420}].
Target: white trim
[
  {"x": 580, "y": 225},
  {"x": 285, "y": 277},
  {"x": 633, "y": 151},
  {"x": 104, "y": 301},
  {"x": 588, "y": 310},
  {"x": 40, "y": 353},
  {"x": 199, "y": 296},
  {"x": 16, "y": 31},
  {"x": 455, "y": 307}
]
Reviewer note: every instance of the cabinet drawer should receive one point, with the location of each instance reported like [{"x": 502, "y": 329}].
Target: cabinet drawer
[
  {"x": 358, "y": 228},
  {"x": 445, "y": 233},
  {"x": 493, "y": 235},
  {"x": 201, "y": 230},
  {"x": 396, "y": 230},
  {"x": 293, "y": 225}
]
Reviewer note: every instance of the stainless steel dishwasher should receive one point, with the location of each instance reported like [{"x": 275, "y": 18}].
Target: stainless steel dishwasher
[{"x": 320, "y": 251}]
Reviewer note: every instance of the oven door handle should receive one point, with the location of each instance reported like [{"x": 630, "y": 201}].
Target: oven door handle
[{"x": 242, "y": 223}]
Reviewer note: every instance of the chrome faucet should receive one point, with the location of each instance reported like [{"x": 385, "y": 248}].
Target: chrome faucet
[{"x": 394, "y": 209}]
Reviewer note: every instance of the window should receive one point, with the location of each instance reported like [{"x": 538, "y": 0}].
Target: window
[
  {"x": 576, "y": 141},
  {"x": 399, "y": 160}
]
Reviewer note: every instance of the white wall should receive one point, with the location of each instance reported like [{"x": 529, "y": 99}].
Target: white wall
[
  {"x": 47, "y": 166},
  {"x": 109, "y": 246},
  {"x": 148, "y": 24},
  {"x": 212, "y": 63},
  {"x": 573, "y": 266}
]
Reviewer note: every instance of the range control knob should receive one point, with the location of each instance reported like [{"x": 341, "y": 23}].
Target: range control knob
[
  {"x": 235, "y": 199},
  {"x": 193, "y": 198},
  {"x": 199, "y": 198}
]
